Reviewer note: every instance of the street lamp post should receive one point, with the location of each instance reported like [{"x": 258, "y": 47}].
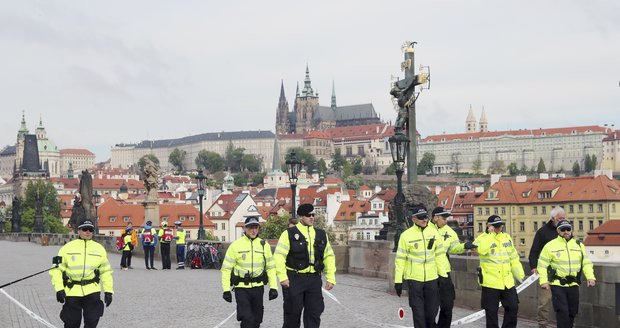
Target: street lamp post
[
  {"x": 293, "y": 166},
  {"x": 200, "y": 179},
  {"x": 96, "y": 198},
  {"x": 399, "y": 145}
]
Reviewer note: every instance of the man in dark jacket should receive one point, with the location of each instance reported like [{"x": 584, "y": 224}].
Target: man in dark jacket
[{"x": 545, "y": 234}]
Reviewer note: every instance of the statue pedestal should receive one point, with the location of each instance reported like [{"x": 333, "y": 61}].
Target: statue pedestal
[{"x": 151, "y": 211}]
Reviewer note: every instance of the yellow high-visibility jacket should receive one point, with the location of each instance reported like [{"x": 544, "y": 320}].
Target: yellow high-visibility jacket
[
  {"x": 284, "y": 245},
  {"x": 80, "y": 259},
  {"x": 419, "y": 254},
  {"x": 127, "y": 241},
  {"x": 499, "y": 261},
  {"x": 565, "y": 257},
  {"x": 181, "y": 234},
  {"x": 245, "y": 255},
  {"x": 451, "y": 244}
]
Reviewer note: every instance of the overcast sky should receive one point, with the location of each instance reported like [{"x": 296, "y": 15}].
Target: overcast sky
[{"x": 107, "y": 72}]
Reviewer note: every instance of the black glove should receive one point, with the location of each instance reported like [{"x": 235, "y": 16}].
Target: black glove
[
  {"x": 60, "y": 296},
  {"x": 273, "y": 294},
  {"x": 470, "y": 245},
  {"x": 399, "y": 289},
  {"x": 227, "y": 296},
  {"x": 107, "y": 298}
]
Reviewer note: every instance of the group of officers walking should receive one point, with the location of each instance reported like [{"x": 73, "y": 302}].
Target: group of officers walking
[
  {"x": 422, "y": 264},
  {"x": 304, "y": 252}
]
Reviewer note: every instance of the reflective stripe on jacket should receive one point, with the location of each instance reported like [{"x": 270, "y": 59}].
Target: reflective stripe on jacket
[
  {"x": 417, "y": 257},
  {"x": 283, "y": 247},
  {"x": 80, "y": 259},
  {"x": 245, "y": 255},
  {"x": 565, "y": 258},
  {"x": 127, "y": 242},
  {"x": 452, "y": 245},
  {"x": 181, "y": 234},
  {"x": 499, "y": 261}
]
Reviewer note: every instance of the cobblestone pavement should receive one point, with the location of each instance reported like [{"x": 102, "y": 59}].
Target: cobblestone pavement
[{"x": 186, "y": 298}]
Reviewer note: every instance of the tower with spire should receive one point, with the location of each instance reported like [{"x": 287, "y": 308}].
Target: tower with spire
[
  {"x": 282, "y": 117},
  {"x": 305, "y": 105},
  {"x": 470, "y": 122},
  {"x": 484, "y": 124}
]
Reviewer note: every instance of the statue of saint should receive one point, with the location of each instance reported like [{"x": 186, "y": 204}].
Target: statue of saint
[
  {"x": 77, "y": 213},
  {"x": 16, "y": 224},
  {"x": 150, "y": 179}
]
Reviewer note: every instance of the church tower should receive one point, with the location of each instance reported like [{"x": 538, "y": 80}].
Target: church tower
[
  {"x": 306, "y": 104},
  {"x": 470, "y": 123},
  {"x": 282, "y": 123},
  {"x": 484, "y": 124},
  {"x": 19, "y": 149},
  {"x": 333, "y": 106}
]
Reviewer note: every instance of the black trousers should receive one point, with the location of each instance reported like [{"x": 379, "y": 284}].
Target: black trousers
[
  {"x": 566, "y": 304},
  {"x": 90, "y": 305},
  {"x": 149, "y": 255},
  {"x": 446, "y": 302},
  {"x": 126, "y": 259},
  {"x": 165, "y": 255},
  {"x": 250, "y": 306},
  {"x": 303, "y": 294},
  {"x": 424, "y": 302},
  {"x": 489, "y": 301}
]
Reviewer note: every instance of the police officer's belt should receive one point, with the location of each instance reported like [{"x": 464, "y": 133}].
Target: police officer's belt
[
  {"x": 303, "y": 273},
  {"x": 236, "y": 280},
  {"x": 70, "y": 283}
]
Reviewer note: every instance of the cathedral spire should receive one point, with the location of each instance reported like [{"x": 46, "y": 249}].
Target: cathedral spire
[
  {"x": 333, "y": 96},
  {"x": 282, "y": 118},
  {"x": 276, "y": 166},
  {"x": 23, "y": 130},
  {"x": 297, "y": 91},
  {"x": 307, "y": 91}
]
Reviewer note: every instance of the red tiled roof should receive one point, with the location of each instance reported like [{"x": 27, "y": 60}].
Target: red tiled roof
[
  {"x": 585, "y": 189},
  {"x": 361, "y": 132},
  {"x": 317, "y": 135},
  {"x": 613, "y": 135},
  {"x": 607, "y": 234},
  {"x": 349, "y": 209},
  {"x": 290, "y": 136},
  {"x": 76, "y": 151},
  {"x": 535, "y": 133},
  {"x": 386, "y": 195},
  {"x": 445, "y": 198}
]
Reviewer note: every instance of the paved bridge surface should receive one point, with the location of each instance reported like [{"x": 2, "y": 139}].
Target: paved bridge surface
[{"x": 187, "y": 298}]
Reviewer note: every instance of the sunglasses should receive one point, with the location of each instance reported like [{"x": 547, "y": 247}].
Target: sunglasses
[
  {"x": 421, "y": 217},
  {"x": 309, "y": 215},
  {"x": 87, "y": 229},
  {"x": 565, "y": 229}
]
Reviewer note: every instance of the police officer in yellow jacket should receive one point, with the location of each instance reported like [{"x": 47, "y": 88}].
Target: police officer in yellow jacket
[
  {"x": 78, "y": 279},
  {"x": 560, "y": 266},
  {"x": 418, "y": 257},
  {"x": 302, "y": 253},
  {"x": 180, "y": 235},
  {"x": 248, "y": 266},
  {"x": 452, "y": 245},
  {"x": 499, "y": 267}
]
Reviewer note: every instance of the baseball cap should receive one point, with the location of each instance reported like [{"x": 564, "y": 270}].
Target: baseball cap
[
  {"x": 251, "y": 220},
  {"x": 495, "y": 220},
  {"x": 441, "y": 212},
  {"x": 85, "y": 224},
  {"x": 418, "y": 212}
]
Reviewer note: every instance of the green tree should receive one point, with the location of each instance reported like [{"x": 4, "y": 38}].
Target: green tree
[
  {"x": 258, "y": 178},
  {"x": 369, "y": 169},
  {"x": 241, "y": 179},
  {"x": 512, "y": 169},
  {"x": 426, "y": 163},
  {"x": 587, "y": 164},
  {"x": 50, "y": 205},
  {"x": 476, "y": 166},
  {"x": 251, "y": 163},
  {"x": 176, "y": 159},
  {"x": 308, "y": 160},
  {"x": 142, "y": 161},
  {"x": 338, "y": 161},
  {"x": 210, "y": 161},
  {"x": 523, "y": 169},
  {"x": 455, "y": 161},
  {"x": 322, "y": 166},
  {"x": 357, "y": 166},
  {"x": 541, "y": 166},
  {"x": 354, "y": 182},
  {"x": 275, "y": 225},
  {"x": 497, "y": 167},
  {"x": 390, "y": 170},
  {"x": 233, "y": 157},
  {"x": 593, "y": 162},
  {"x": 347, "y": 169}
]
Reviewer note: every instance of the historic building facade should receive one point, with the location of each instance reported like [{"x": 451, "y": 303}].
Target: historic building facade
[{"x": 308, "y": 115}]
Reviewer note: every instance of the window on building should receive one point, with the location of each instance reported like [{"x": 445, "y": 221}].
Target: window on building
[
  {"x": 521, "y": 210},
  {"x": 126, "y": 219},
  {"x": 495, "y": 210},
  {"x": 360, "y": 151},
  {"x": 164, "y": 218},
  {"x": 215, "y": 227},
  {"x": 110, "y": 233},
  {"x": 181, "y": 218},
  {"x": 503, "y": 211},
  {"x": 580, "y": 222},
  {"x": 479, "y": 226},
  {"x": 591, "y": 224},
  {"x": 543, "y": 210},
  {"x": 535, "y": 210},
  {"x": 487, "y": 211},
  {"x": 191, "y": 218},
  {"x": 223, "y": 238},
  {"x": 606, "y": 252},
  {"x": 535, "y": 226},
  {"x": 479, "y": 210},
  {"x": 223, "y": 225},
  {"x": 368, "y": 236},
  {"x": 521, "y": 226},
  {"x": 349, "y": 151},
  {"x": 571, "y": 209},
  {"x": 600, "y": 222},
  {"x": 580, "y": 208},
  {"x": 113, "y": 219},
  {"x": 522, "y": 241},
  {"x": 590, "y": 208},
  {"x": 599, "y": 208},
  {"x": 613, "y": 208}
]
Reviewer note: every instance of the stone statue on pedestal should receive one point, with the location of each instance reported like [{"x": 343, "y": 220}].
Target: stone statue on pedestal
[
  {"x": 150, "y": 180},
  {"x": 16, "y": 220}
]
